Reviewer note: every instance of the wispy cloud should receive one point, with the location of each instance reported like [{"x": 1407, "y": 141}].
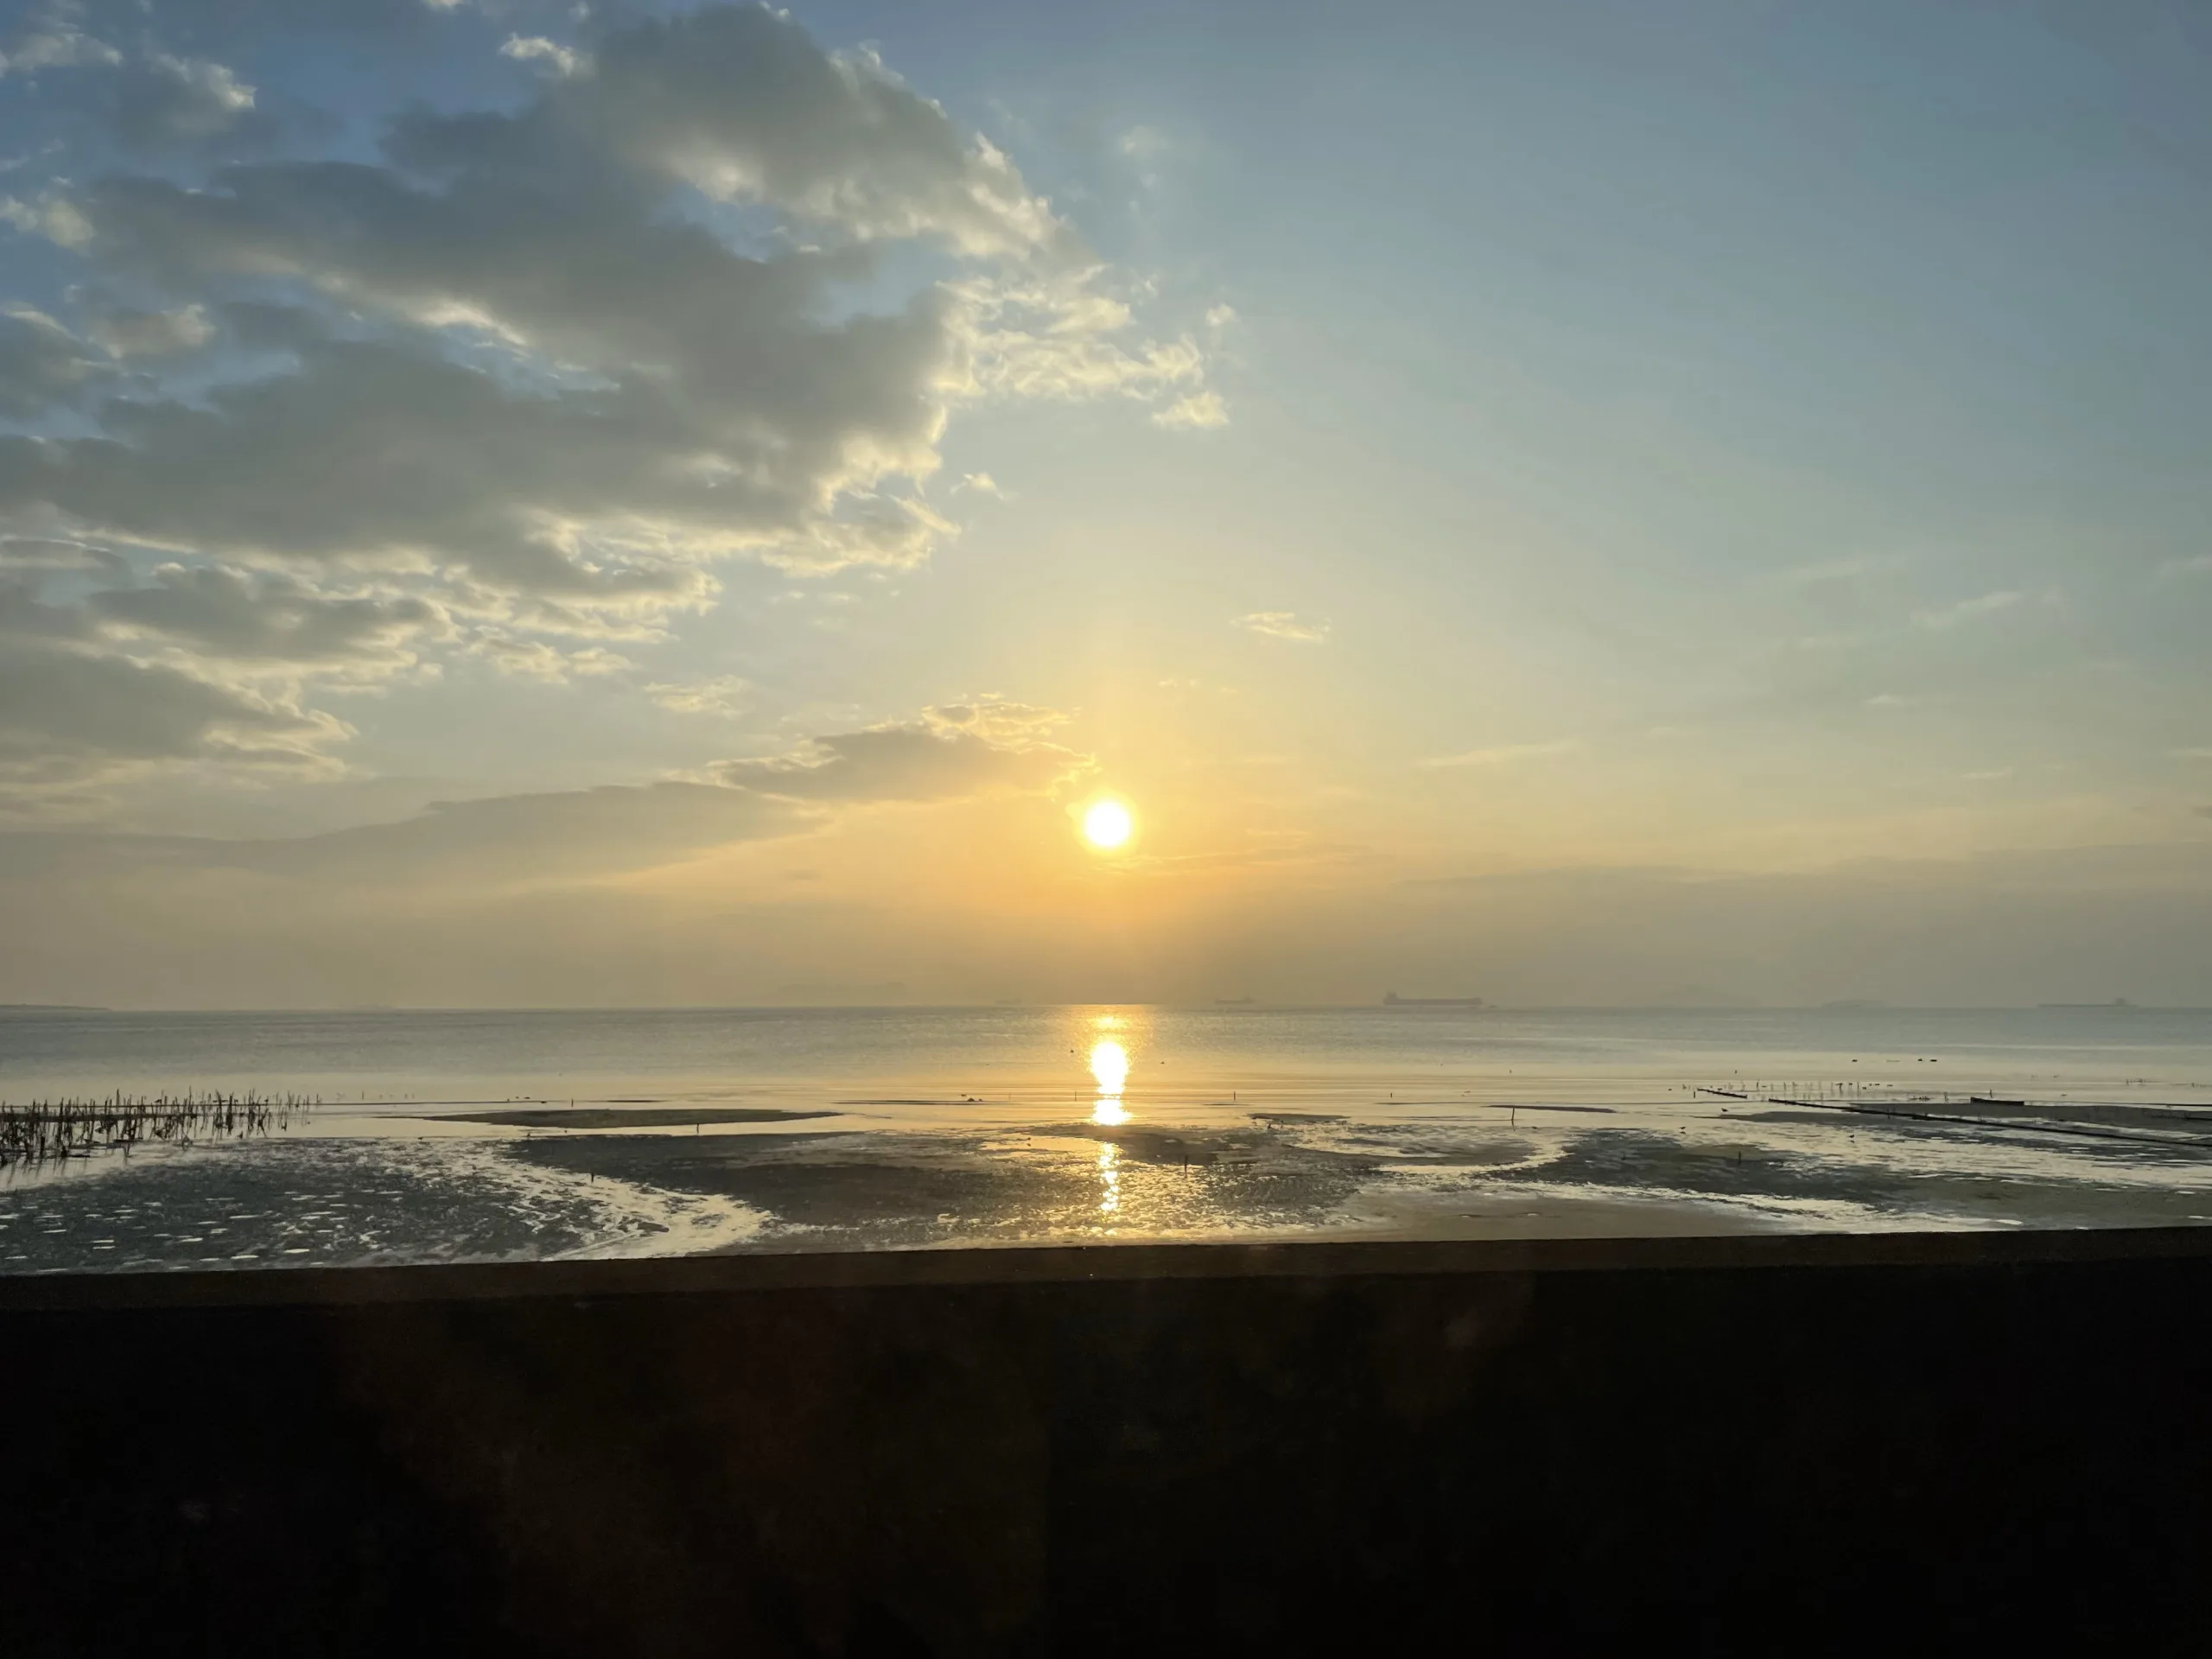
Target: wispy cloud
[
  {"x": 1284, "y": 625},
  {"x": 1946, "y": 617},
  {"x": 57, "y": 45},
  {"x": 726, "y": 694},
  {"x": 1142, "y": 143},
  {"x": 1201, "y": 411},
  {"x": 2180, "y": 569},
  {"x": 564, "y": 61},
  {"x": 1851, "y": 569},
  {"x": 1504, "y": 754},
  {"x": 921, "y": 760},
  {"x": 536, "y": 659}
]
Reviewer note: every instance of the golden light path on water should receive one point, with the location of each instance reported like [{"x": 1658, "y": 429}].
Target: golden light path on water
[{"x": 1110, "y": 1068}]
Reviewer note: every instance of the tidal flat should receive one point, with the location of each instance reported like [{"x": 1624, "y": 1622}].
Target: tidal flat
[{"x": 413, "y": 1139}]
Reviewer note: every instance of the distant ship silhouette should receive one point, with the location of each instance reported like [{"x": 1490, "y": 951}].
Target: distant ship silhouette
[{"x": 1392, "y": 1000}]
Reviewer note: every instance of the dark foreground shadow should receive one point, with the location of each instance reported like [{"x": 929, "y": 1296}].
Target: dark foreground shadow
[{"x": 1746, "y": 1445}]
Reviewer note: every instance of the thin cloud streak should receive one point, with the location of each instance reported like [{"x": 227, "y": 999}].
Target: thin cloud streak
[
  {"x": 1504, "y": 755},
  {"x": 1284, "y": 625}
]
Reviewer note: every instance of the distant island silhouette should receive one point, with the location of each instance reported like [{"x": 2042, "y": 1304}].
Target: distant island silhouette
[{"x": 1392, "y": 1000}]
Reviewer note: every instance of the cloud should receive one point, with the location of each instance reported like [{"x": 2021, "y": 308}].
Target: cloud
[
  {"x": 996, "y": 719},
  {"x": 107, "y": 709},
  {"x": 215, "y": 25},
  {"x": 38, "y": 557},
  {"x": 55, "y": 43},
  {"x": 2191, "y": 754},
  {"x": 504, "y": 840},
  {"x": 67, "y": 716},
  {"x": 42, "y": 364},
  {"x": 498, "y": 842},
  {"x": 535, "y": 48},
  {"x": 733, "y": 422},
  {"x": 1503, "y": 755},
  {"x": 226, "y": 614},
  {"x": 1201, "y": 411},
  {"x": 981, "y": 484},
  {"x": 147, "y": 99},
  {"x": 2181, "y": 570},
  {"x": 667, "y": 398},
  {"x": 121, "y": 331},
  {"x": 511, "y": 384},
  {"x": 1284, "y": 625},
  {"x": 1947, "y": 617},
  {"x": 75, "y": 708},
  {"x": 509, "y": 839},
  {"x": 924, "y": 761},
  {"x": 725, "y": 696},
  {"x": 535, "y": 659},
  {"x": 1852, "y": 569},
  {"x": 169, "y": 103},
  {"x": 741, "y": 104},
  {"x": 51, "y": 217},
  {"x": 1058, "y": 338}
]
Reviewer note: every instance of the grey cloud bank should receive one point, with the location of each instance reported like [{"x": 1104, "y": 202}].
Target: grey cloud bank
[{"x": 520, "y": 381}]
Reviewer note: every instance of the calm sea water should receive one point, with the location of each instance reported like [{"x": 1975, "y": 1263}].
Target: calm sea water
[
  {"x": 527, "y": 1134},
  {"x": 1571, "y": 1052}
]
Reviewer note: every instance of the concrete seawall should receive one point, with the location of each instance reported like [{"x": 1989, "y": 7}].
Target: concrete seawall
[{"x": 1770, "y": 1443}]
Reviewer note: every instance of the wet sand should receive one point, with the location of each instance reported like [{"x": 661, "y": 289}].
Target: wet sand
[
  {"x": 628, "y": 1117},
  {"x": 929, "y": 1168}
]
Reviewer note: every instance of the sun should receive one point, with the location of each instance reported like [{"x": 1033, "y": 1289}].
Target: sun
[{"x": 1108, "y": 825}]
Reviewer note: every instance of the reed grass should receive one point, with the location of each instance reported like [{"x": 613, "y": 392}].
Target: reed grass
[{"x": 47, "y": 1131}]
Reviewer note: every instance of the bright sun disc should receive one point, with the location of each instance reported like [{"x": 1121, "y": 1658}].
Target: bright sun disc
[{"x": 1107, "y": 824}]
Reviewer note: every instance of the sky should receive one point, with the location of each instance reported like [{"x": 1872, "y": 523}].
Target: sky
[{"x": 513, "y": 504}]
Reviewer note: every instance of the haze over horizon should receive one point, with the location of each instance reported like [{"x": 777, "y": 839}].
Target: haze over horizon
[{"x": 512, "y": 504}]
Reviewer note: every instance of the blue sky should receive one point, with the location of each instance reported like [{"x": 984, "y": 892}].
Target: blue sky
[{"x": 1406, "y": 451}]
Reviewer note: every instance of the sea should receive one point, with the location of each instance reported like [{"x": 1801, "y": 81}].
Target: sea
[{"x": 262, "y": 1141}]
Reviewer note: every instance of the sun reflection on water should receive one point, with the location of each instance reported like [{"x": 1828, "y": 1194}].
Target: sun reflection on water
[
  {"x": 1109, "y": 1067},
  {"x": 1109, "y": 1064},
  {"x": 1109, "y": 1178}
]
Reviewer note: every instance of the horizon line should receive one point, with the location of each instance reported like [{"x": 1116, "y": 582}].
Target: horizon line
[{"x": 1476, "y": 1006}]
